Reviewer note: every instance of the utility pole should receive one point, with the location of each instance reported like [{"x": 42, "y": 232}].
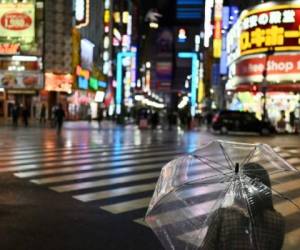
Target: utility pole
[{"x": 269, "y": 52}]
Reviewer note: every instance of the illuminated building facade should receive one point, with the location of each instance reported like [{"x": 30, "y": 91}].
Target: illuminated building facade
[
  {"x": 91, "y": 46},
  {"x": 21, "y": 51},
  {"x": 188, "y": 68},
  {"x": 264, "y": 64}
]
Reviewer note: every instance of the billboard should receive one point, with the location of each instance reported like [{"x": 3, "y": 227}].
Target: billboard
[
  {"x": 266, "y": 27},
  {"x": 58, "y": 82},
  {"x": 21, "y": 80},
  {"x": 217, "y": 35},
  {"x": 279, "y": 68},
  {"x": 17, "y": 20}
]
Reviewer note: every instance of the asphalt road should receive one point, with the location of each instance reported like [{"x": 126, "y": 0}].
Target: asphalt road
[{"x": 89, "y": 188}]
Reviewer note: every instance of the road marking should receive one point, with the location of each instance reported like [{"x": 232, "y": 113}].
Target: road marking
[
  {"x": 115, "y": 192},
  {"x": 84, "y": 155},
  {"x": 127, "y": 206},
  {"x": 56, "y": 165},
  {"x": 292, "y": 240},
  {"x": 116, "y": 163},
  {"x": 105, "y": 182}
]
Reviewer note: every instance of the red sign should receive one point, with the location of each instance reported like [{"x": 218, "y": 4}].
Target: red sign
[
  {"x": 276, "y": 64},
  {"x": 9, "y": 49},
  {"x": 16, "y": 21}
]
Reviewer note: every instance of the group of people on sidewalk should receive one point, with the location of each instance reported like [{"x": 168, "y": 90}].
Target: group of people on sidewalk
[
  {"x": 58, "y": 115},
  {"x": 20, "y": 110}
]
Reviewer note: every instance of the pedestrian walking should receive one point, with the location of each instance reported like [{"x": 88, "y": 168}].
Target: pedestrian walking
[
  {"x": 99, "y": 117},
  {"x": 15, "y": 114},
  {"x": 281, "y": 124},
  {"x": 43, "y": 115},
  {"x": 154, "y": 120},
  {"x": 60, "y": 115},
  {"x": 25, "y": 115},
  {"x": 53, "y": 116},
  {"x": 297, "y": 118},
  {"x": 89, "y": 114},
  {"x": 292, "y": 121}
]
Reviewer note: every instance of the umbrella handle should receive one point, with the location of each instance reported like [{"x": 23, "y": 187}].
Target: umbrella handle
[{"x": 237, "y": 168}]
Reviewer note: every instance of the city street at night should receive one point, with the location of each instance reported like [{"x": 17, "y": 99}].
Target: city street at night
[
  {"x": 149, "y": 125},
  {"x": 90, "y": 188}
]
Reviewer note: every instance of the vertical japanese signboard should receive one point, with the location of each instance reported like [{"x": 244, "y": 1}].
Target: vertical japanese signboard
[{"x": 217, "y": 37}]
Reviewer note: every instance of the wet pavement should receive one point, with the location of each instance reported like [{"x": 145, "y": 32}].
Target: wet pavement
[{"x": 90, "y": 187}]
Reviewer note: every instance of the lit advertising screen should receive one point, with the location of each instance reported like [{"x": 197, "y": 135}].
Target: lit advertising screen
[
  {"x": 217, "y": 41},
  {"x": 279, "y": 67},
  {"x": 264, "y": 45},
  {"x": 58, "y": 82},
  {"x": 276, "y": 27},
  {"x": 17, "y": 20},
  {"x": 20, "y": 80},
  {"x": 266, "y": 27}
]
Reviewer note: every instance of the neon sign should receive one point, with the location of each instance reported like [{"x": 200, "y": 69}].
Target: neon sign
[
  {"x": 217, "y": 42},
  {"x": 82, "y": 13},
  {"x": 195, "y": 64},
  {"x": 277, "y": 27}
]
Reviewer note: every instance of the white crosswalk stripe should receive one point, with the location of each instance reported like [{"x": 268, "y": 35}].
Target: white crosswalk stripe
[{"x": 122, "y": 180}]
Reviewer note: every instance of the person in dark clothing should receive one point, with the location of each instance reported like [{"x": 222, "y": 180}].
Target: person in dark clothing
[
  {"x": 25, "y": 115},
  {"x": 209, "y": 117},
  {"x": 292, "y": 121},
  {"x": 43, "y": 115},
  {"x": 252, "y": 222},
  {"x": 59, "y": 115},
  {"x": 15, "y": 114},
  {"x": 154, "y": 120},
  {"x": 100, "y": 116}
]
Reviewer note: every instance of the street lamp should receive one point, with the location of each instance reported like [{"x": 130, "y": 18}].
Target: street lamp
[{"x": 269, "y": 52}]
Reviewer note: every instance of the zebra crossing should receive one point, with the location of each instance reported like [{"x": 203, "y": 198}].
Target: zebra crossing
[
  {"x": 95, "y": 174},
  {"x": 119, "y": 180}
]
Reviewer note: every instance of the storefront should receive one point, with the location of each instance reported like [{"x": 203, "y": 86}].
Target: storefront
[
  {"x": 264, "y": 66},
  {"x": 81, "y": 104},
  {"x": 59, "y": 87},
  {"x": 21, "y": 67},
  {"x": 21, "y": 79},
  {"x": 88, "y": 97}
]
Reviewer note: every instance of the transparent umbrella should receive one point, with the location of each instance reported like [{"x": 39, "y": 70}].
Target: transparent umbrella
[{"x": 227, "y": 195}]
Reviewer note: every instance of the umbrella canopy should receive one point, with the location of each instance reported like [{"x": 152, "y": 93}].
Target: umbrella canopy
[{"x": 227, "y": 195}]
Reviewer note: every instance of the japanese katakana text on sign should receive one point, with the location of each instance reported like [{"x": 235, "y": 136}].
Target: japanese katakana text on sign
[{"x": 277, "y": 29}]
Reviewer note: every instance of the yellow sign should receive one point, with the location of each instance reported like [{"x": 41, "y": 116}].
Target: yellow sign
[
  {"x": 17, "y": 20},
  {"x": 276, "y": 28},
  {"x": 200, "y": 91}
]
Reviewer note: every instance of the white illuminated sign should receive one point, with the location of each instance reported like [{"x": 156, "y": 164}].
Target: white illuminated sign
[
  {"x": 82, "y": 13},
  {"x": 273, "y": 17},
  {"x": 80, "y": 10},
  {"x": 208, "y": 29}
]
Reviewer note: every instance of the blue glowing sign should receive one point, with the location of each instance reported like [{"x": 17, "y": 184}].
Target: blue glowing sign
[
  {"x": 195, "y": 62},
  {"x": 83, "y": 83},
  {"x": 225, "y": 17},
  {"x": 102, "y": 84},
  {"x": 120, "y": 57},
  {"x": 189, "y": 9}
]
